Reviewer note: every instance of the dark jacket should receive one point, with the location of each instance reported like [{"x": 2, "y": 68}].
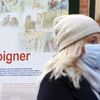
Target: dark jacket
[{"x": 63, "y": 89}]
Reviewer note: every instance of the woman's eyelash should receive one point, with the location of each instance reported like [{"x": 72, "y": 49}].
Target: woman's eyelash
[{"x": 94, "y": 41}]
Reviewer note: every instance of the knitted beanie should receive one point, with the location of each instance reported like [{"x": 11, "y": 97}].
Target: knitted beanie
[{"x": 71, "y": 28}]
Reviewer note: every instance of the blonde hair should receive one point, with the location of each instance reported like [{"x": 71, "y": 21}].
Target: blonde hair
[{"x": 65, "y": 63}]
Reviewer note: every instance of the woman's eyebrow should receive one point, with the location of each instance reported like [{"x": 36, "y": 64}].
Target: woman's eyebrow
[{"x": 94, "y": 36}]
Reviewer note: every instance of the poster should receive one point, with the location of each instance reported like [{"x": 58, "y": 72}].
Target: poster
[{"x": 26, "y": 44}]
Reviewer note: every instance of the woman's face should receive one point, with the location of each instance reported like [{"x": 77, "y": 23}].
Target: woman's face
[{"x": 91, "y": 39}]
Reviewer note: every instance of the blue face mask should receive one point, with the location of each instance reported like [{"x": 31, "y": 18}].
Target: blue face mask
[{"x": 92, "y": 56}]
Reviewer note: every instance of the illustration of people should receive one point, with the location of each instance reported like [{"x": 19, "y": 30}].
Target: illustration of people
[
  {"x": 32, "y": 25},
  {"x": 15, "y": 2},
  {"x": 14, "y": 21},
  {"x": 53, "y": 4},
  {"x": 3, "y": 7},
  {"x": 50, "y": 45},
  {"x": 17, "y": 5},
  {"x": 7, "y": 4},
  {"x": 28, "y": 22},
  {"x": 36, "y": 4},
  {"x": 63, "y": 4},
  {"x": 11, "y": 5},
  {"x": 6, "y": 20},
  {"x": 39, "y": 20}
]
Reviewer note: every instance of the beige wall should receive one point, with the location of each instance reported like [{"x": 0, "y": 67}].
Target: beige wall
[{"x": 97, "y": 14}]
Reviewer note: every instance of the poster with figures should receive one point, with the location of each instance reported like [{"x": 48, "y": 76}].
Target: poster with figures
[{"x": 26, "y": 44}]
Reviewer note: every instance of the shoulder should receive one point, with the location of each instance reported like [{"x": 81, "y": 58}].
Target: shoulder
[
  {"x": 65, "y": 83},
  {"x": 63, "y": 89},
  {"x": 54, "y": 89},
  {"x": 62, "y": 81}
]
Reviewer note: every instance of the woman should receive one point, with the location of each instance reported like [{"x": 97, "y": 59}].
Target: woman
[
  {"x": 73, "y": 73},
  {"x": 28, "y": 21}
]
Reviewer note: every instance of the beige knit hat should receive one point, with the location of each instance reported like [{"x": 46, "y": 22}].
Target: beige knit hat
[{"x": 71, "y": 28}]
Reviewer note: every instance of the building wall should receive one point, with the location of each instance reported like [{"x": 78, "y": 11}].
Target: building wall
[
  {"x": 84, "y": 5},
  {"x": 84, "y": 9}
]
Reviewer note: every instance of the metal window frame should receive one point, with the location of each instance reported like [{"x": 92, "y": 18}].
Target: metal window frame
[
  {"x": 92, "y": 8},
  {"x": 74, "y": 6}
]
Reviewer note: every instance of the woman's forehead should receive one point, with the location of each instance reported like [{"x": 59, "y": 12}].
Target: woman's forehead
[{"x": 95, "y": 37}]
